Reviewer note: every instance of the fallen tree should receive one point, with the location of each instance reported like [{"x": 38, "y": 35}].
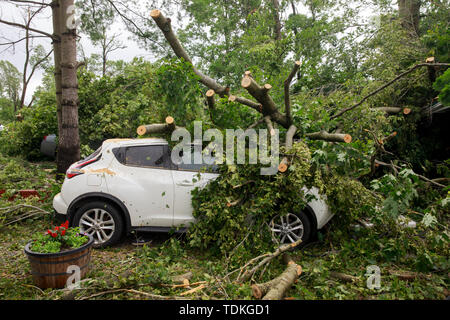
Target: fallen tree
[
  {"x": 232, "y": 211},
  {"x": 264, "y": 103}
]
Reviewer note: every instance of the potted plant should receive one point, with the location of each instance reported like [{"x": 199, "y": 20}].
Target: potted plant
[{"x": 52, "y": 253}]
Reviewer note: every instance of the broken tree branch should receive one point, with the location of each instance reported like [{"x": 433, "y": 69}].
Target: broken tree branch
[
  {"x": 276, "y": 288},
  {"x": 265, "y": 259},
  {"x": 167, "y": 127},
  {"x": 210, "y": 98},
  {"x": 165, "y": 25},
  {"x": 269, "y": 125},
  {"x": 344, "y": 277},
  {"x": 261, "y": 94},
  {"x": 30, "y": 29},
  {"x": 266, "y": 108},
  {"x": 283, "y": 166},
  {"x": 388, "y": 84},
  {"x": 391, "y": 165},
  {"x": 394, "y": 110},
  {"x": 287, "y": 84},
  {"x": 332, "y": 137}
]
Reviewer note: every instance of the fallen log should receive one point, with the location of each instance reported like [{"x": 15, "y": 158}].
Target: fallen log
[
  {"x": 182, "y": 277},
  {"x": 276, "y": 288},
  {"x": 167, "y": 127}
]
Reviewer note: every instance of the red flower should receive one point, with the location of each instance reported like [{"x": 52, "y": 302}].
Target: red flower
[{"x": 63, "y": 232}]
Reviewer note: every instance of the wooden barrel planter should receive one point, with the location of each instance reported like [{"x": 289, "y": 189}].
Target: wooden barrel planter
[{"x": 49, "y": 270}]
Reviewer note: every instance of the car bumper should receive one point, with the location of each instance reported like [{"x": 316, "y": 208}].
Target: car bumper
[{"x": 60, "y": 205}]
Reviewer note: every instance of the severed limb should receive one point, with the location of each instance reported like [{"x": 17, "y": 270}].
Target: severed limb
[
  {"x": 210, "y": 98},
  {"x": 394, "y": 110},
  {"x": 332, "y": 137},
  {"x": 167, "y": 127},
  {"x": 276, "y": 288}
]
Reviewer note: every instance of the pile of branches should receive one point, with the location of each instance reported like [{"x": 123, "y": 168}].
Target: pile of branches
[{"x": 14, "y": 214}]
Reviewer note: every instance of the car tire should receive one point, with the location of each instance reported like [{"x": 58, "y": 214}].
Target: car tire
[
  {"x": 288, "y": 228},
  {"x": 101, "y": 220}
]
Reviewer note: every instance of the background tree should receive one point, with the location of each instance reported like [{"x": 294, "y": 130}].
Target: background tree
[
  {"x": 10, "y": 85},
  {"x": 64, "y": 40}
]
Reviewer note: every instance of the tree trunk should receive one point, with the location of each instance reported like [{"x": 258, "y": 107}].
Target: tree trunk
[
  {"x": 69, "y": 140},
  {"x": 409, "y": 13},
  {"x": 276, "y": 15},
  {"x": 57, "y": 57}
]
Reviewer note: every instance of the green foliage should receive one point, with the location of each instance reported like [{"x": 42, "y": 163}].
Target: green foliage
[
  {"x": 399, "y": 190},
  {"x": 178, "y": 86},
  {"x": 242, "y": 229},
  {"x": 442, "y": 85},
  {"x": 24, "y": 138}
]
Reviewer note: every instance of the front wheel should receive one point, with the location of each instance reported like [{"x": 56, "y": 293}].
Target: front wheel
[
  {"x": 100, "y": 220},
  {"x": 290, "y": 227}
]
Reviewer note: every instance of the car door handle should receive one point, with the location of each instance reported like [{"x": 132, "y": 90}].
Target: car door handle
[{"x": 185, "y": 183}]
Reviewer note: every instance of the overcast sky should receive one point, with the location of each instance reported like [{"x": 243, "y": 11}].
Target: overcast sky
[{"x": 43, "y": 21}]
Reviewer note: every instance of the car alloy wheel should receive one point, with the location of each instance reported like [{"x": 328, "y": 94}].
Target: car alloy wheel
[
  {"x": 99, "y": 224},
  {"x": 287, "y": 228}
]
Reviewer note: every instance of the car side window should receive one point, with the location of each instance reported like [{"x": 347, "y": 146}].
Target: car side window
[
  {"x": 202, "y": 167},
  {"x": 143, "y": 156}
]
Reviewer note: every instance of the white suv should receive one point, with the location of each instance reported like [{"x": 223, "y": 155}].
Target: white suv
[{"x": 132, "y": 184}]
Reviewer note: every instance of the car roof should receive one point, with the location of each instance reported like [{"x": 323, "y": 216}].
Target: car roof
[{"x": 128, "y": 142}]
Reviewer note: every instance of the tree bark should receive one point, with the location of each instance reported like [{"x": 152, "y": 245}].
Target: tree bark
[
  {"x": 167, "y": 127},
  {"x": 210, "y": 98},
  {"x": 283, "y": 166},
  {"x": 395, "y": 110},
  {"x": 56, "y": 16},
  {"x": 69, "y": 140},
  {"x": 261, "y": 94},
  {"x": 276, "y": 288},
  {"x": 276, "y": 15},
  {"x": 332, "y": 137},
  {"x": 409, "y": 13},
  {"x": 287, "y": 84}
]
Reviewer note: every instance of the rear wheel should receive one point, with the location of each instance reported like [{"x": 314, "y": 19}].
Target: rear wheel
[
  {"x": 101, "y": 220},
  {"x": 290, "y": 227}
]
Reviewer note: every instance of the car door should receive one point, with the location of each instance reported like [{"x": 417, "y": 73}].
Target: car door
[
  {"x": 143, "y": 181},
  {"x": 186, "y": 177}
]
